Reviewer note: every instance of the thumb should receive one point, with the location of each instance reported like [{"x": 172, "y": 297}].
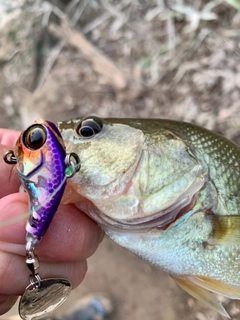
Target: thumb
[{"x": 8, "y": 177}]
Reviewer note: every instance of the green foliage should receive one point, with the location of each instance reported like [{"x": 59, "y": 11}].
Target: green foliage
[{"x": 234, "y": 3}]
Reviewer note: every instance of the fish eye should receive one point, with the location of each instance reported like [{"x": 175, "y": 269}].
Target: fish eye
[
  {"x": 35, "y": 137},
  {"x": 89, "y": 127}
]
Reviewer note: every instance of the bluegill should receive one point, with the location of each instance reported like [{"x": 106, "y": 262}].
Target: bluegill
[{"x": 168, "y": 191}]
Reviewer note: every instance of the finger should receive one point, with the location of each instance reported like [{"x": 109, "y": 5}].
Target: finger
[
  {"x": 8, "y": 137},
  {"x": 6, "y": 302},
  {"x": 13, "y": 217},
  {"x": 71, "y": 236},
  {"x": 8, "y": 175},
  {"x": 14, "y": 267}
]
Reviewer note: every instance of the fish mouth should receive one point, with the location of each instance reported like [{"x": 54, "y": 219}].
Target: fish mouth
[
  {"x": 163, "y": 221},
  {"x": 160, "y": 220}
]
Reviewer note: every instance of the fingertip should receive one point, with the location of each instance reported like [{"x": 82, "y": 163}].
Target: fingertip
[
  {"x": 72, "y": 236},
  {"x": 7, "y": 302},
  {"x": 8, "y": 137},
  {"x": 13, "y": 216},
  {"x": 8, "y": 175}
]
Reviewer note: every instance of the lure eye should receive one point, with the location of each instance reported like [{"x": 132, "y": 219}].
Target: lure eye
[
  {"x": 89, "y": 127},
  {"x": 35, "y": 137}
]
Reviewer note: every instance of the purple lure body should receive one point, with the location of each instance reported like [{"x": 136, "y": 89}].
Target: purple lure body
[{"x": 40, "y": 154}]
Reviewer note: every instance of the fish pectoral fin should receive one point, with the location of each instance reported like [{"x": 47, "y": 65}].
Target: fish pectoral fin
[
  {"x": 225, "y": 229},
  {"x": 201, "y": 294},
  {"x": 229, "y": 291}
]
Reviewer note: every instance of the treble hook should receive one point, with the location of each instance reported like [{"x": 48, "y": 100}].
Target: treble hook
[{"x": 9, "y": 157}]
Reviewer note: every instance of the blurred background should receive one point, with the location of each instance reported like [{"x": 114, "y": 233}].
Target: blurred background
[{"x": 179, "y": 59}]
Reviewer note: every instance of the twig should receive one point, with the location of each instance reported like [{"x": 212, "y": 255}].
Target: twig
[
  {"x": 78, "y": 13},
  {"x": 120, "y": 81},
  {"x": 5, "y": 60},
  {"x": 58, "y": 48},
  {"x": 99, "y": 20},
  {"x": 116, "y": 12},
  {"x": 50, "y": 63},
  {"x": 100, "y": 62},
  {"x": 171, "y": 34}
]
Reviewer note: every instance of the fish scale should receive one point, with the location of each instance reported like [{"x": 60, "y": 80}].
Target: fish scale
[{"x": 224, "y": 169}]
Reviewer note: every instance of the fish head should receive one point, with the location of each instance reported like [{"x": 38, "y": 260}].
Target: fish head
[
  {"x": 131, "y": 177},
  {"x": 109, "y": 153}
]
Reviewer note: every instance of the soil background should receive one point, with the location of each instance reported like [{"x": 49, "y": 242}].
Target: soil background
[{"x": 146, "y": 59}]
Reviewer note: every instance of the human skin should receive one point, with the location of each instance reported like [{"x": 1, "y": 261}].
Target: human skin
[{"x": 71, "y": 238}]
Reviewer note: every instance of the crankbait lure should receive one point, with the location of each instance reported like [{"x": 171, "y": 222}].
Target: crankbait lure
[{"x": 43, "y": 168}]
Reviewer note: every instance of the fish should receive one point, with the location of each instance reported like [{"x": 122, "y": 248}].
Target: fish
[
  {"x": 40, "y": 164},
  {"x": 168, "y": 191}
]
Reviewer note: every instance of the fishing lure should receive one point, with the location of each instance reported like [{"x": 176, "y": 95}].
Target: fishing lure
[{"x": 43, "y": 168}]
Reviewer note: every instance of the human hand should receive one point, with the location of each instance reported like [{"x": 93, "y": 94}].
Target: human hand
[{"x": 71, "y": 238}]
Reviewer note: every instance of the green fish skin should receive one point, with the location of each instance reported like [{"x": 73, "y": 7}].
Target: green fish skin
[{"x": 168, "y": 191}]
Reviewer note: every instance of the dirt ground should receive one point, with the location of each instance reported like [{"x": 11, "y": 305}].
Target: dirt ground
[{"x": 177, "y": 60}]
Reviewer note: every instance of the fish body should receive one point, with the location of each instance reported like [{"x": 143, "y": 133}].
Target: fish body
[
  {"x": 40, "y": 154},
  {"x": 168, "y": 191}
]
